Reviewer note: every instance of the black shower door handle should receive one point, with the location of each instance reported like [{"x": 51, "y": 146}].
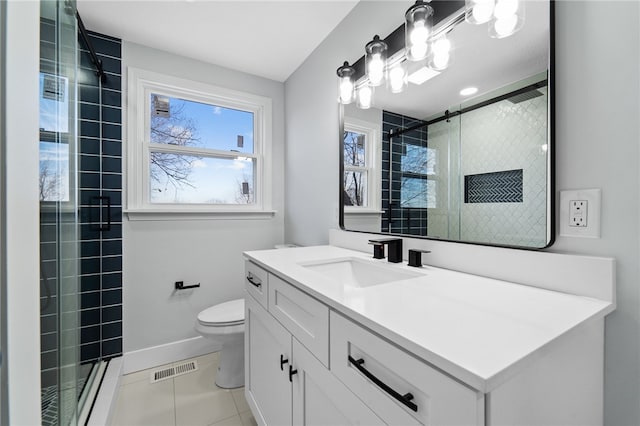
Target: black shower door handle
[{"x": 100, "y": 201}]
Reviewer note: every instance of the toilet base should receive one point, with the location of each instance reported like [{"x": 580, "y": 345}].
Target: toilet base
[{"x": 230, "y": 372}]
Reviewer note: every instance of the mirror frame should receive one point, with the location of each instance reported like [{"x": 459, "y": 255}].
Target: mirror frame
[{"x": 551, "y": 160}]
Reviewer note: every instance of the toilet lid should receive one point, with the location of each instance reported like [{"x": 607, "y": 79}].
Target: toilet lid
[{"x": 227, "y": 313}]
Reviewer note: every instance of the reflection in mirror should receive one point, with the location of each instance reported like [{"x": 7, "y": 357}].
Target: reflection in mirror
[{"x": 473, "y": 166}]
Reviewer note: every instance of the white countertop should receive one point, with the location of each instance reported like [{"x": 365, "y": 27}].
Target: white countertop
[{"x": 479, "y": 330}]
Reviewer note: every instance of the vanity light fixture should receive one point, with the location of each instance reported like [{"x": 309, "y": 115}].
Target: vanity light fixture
[
  {"x": 346, "y": 83},
  {"x": 468, "y": 91},
  {"x": 420, "y": 49},
  {"x": 418, "y": 26},
  {"x": 376, "y": 60}
]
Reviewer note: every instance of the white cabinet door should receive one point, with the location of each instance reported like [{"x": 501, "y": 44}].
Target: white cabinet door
[
  {"x": 305, "y": 317},
  {"x": 267, "y": 385},
  {"x": 321, "y": 399}
]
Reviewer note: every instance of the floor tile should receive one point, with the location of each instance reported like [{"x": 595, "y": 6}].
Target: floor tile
[
  {"x": 231, "y": 421},
  {"x": 142, "y": 403},
  {"x": 248, "y": 419},
  {"x": 239, "y": 399},
  {"x": 199, "y": 401},
  {"x": 202, "y": 360}
]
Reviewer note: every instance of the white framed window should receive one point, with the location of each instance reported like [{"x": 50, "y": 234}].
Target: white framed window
[
  {"x": 361, "y": 157},
  {"x": 420, "y": 177},
  {"x": 198, "y": 149},
  {"x": 56, "y": 145}
]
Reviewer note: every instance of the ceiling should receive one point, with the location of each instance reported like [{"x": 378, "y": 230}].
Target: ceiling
[{"x": 270, "y": 39}]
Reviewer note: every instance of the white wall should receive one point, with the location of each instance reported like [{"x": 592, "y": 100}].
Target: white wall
[
  {"x": 597, "y": 101},
  {"x": 209, "y": 252},
  {"x": 20, "y": 205}
]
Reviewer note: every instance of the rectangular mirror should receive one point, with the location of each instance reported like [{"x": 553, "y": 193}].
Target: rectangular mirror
[{"x": 464, "y": 153}]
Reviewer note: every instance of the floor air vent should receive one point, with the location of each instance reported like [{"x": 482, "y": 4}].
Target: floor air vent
[{"x": 178, "y": 370}]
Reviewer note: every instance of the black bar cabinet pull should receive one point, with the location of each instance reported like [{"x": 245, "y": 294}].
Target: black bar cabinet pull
[
  {"x": 283, "y": 361},
  {"x": 255, "y": 283},
  {"x": 404, "y": 399},
  {"x": 291, "y": 373},
  {"x": 179, "y": 285}
]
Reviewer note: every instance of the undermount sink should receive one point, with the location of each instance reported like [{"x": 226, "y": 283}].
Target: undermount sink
[{"x": 359, "y": 273}]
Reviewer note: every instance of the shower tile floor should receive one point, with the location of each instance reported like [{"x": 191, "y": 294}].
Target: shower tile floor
[{"x": 190, "y": 399}]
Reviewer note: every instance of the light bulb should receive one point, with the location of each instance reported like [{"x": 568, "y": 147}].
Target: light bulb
[
  {"x": 419, "y": 33},
  {"x": 397, "y": 79},
  {"x": 479, "y": 11},
  {"x": 364, "y": 97},
  {"x": 376, "y": 69},
  {"x": 440, "y": 61},
  {"x": 442, "y": 46},
  {"x": 418, "y": 51},
  {"x": 505, "y": 8},
  {"x": 505, "y": 26},
  {"x": 346, "y": 90}
]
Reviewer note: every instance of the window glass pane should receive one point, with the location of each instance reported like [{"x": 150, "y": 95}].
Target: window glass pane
[
  {"x": 54, "y": 171},
  {"x": 190, "y": 179},
  {"x": 354, "y": 149},
  {"x": 420, "y": 160},
  {"x": 355, "y": 188},
  {"x": 418, "y": 193},
  {"x": 180, "y": 122},
  {"x": 54, "y": 103}
]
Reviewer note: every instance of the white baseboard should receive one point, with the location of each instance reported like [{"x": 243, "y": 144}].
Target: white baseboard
[
  {"x": 168, "y": 353},
  {"x": 107, "y": 397}
]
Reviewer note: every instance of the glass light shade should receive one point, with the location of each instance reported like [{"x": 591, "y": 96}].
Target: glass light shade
[
  {"x": 346, "y": 83},
  {"x": 364, "y": 97},
  {"x": 397, "y": 81},
  {"x": 440, "y": 57},
  {"x": 375, "y": 60},
  {"x": 479, "y": 11},
  {"x": 508, "y": 18},
  {"x": 418, "y": 25}
]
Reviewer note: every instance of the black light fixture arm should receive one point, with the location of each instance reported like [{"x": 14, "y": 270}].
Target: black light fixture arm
[{"x": 92, "y": 52}]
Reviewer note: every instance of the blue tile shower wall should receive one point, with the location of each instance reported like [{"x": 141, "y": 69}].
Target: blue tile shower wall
[
  {"x": 100, "y": 175},
  {"x": 400, "y": 220}
]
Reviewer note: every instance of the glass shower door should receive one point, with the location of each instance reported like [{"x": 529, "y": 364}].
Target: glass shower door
[{"x": 61, "y": 382}]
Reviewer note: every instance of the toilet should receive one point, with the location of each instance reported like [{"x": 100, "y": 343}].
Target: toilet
[{"x": 224, "y": 324}]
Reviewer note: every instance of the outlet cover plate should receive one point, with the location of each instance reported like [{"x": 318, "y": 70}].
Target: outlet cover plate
[{"x": 593, "y": 198}]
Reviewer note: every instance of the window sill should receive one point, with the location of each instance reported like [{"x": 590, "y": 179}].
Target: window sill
[
  {"x": 163, "y": 214},
  {"x": 363, "y": 212}
]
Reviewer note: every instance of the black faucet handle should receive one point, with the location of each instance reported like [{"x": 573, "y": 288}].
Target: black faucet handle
[
  {"x": 394, "y": 254},
  {"x": 415, "y": 257},
  {"x": 378, "y": 249}
]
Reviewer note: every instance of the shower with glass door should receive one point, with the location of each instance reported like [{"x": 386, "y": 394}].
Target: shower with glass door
[{"x": 67, "y": 385}]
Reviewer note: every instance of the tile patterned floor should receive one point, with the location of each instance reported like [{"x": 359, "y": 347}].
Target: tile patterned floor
[{"x": 190, "y": 399}]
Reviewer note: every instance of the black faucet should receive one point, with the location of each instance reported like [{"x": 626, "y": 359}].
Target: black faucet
[
  {"x": 415, "y": 257},
  {"x": 395, "y": 249}
]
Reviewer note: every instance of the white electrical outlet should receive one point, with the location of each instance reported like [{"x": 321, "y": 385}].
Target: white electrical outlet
[
  {"x": 578, "y": 210},
  {"x": 580, "y": 213}
]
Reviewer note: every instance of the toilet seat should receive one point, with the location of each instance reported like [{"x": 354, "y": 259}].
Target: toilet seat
[{"x": 223, "y": 315}]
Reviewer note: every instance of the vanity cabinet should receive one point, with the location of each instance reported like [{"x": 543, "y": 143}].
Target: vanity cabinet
[
  {"x": 286, "y": 385},
  {"x": 308, "y": 361}
]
